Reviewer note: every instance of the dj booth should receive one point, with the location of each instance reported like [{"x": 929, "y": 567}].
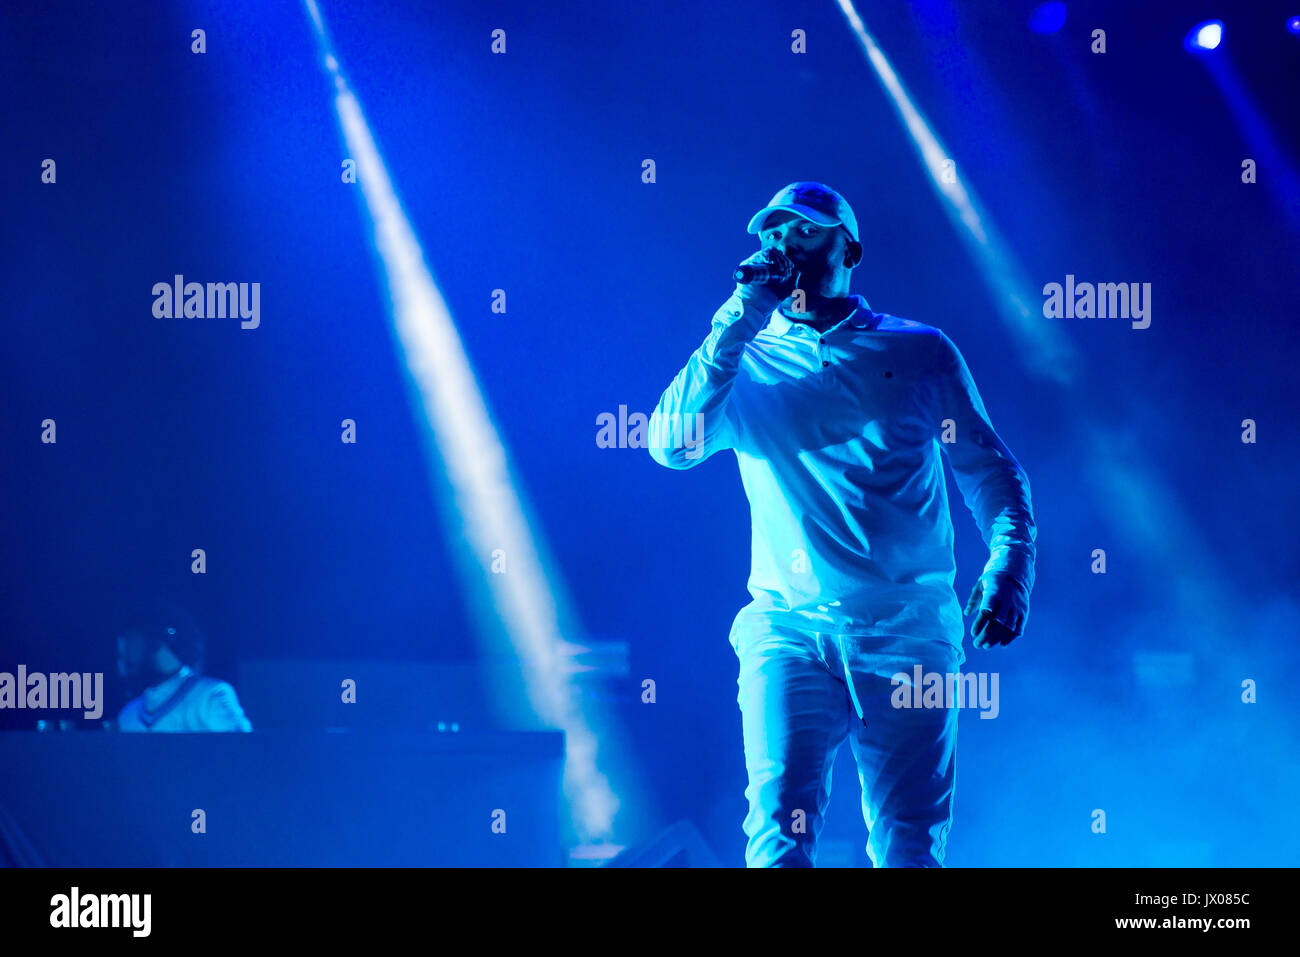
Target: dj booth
[{"x": 295, "y": 798}]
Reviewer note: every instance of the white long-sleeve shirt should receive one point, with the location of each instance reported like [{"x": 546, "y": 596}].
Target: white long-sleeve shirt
[
  {"x": 837, "y": 435},
  {"x": 207, "y": 704}
]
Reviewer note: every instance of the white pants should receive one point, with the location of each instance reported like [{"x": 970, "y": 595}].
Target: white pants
[{"x": 800, "y": 694}]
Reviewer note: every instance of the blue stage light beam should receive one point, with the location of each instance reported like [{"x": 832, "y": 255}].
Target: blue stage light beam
[
  {"x": 1130, "y": 489},
  {"x": 530, "y": 605},
  {"x": 1273, "y": 168},
  {"x": 1204, "y": 37},
  {"x": 1045, "y": 352}
]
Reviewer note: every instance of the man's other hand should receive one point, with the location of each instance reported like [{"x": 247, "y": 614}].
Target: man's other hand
[{"x": 1001, "y": 608}]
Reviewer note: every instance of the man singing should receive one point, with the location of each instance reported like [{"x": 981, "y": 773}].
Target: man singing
[{"x": 836, "y": 415}]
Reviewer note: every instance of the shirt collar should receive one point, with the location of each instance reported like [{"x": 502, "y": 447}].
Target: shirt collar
[{"x": 860, "y": 318}]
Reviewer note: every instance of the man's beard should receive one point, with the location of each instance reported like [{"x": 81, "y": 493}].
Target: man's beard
[
  {"x": 811, "y": 282},
  {"x": 142, "y": 677}
]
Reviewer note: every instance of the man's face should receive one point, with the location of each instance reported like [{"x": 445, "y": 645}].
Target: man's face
[
  {"x": 816, "y": 251},
  {"x": 136, "y": 659},
  {"x": 130, "y": 652}
]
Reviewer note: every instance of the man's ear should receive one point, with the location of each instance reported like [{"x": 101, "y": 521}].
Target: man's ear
[{"x": 852, "y": 254}]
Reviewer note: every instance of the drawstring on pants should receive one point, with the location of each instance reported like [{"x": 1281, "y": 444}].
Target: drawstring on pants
[{"x": 848, "y": 680}]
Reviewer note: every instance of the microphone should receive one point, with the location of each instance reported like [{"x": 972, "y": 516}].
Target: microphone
[{"x": 764, "y": 273}]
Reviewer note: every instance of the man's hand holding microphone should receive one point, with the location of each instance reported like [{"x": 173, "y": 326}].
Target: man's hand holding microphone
[{"x": 766, "y": 279}]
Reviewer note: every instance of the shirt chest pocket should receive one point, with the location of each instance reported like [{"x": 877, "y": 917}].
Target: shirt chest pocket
[{"x": 887, "y": 400}]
